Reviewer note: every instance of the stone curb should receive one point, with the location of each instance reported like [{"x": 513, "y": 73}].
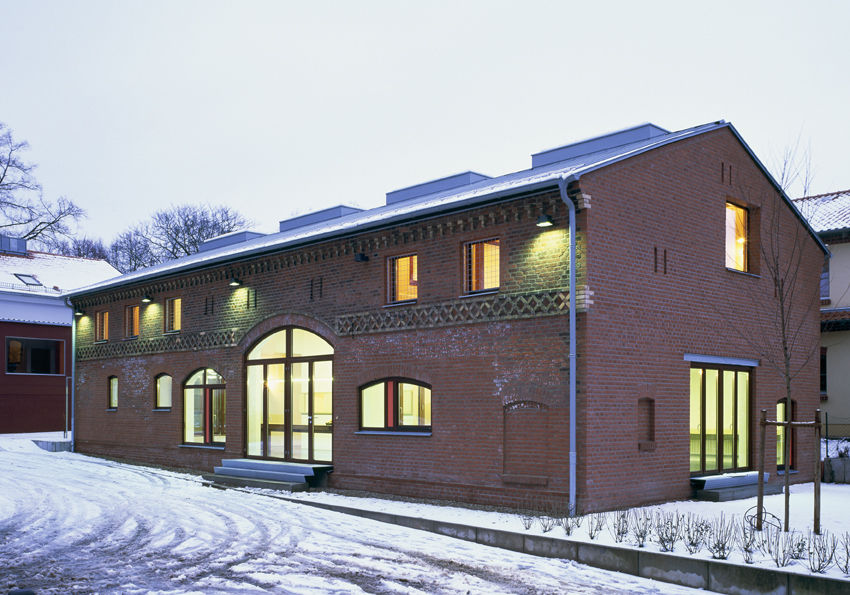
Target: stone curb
[{"x": 712, "y": 575}]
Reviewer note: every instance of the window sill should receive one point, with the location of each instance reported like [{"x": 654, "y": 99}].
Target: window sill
[
  {"x": 390, "y": 433},
  {"x": 33, "y": 374},
  {"x": 483, "y": 292},
  {"x": 744, "y": 273},
  {"x": 782, "y": 472},
  {"x": 133, "y": 338},
  {"x": 402, "y": 303},
  {"x": 202, "y": 446},
  {"x": 101, "y": 341},
  {"x": 108, "y": 409},
  {"x": 162, "y": 409},
  {"x": 171, "y": 332}
]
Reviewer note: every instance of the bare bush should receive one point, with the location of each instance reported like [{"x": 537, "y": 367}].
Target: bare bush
[
  {"x": 528, "y": 512},
  {"x": 722, "y": 537},
  {"x": 821, "y": 552},
  {"x": 547, "y": 522},
  {"x": 619, "y": 525},
  {"x": 842, "y": 555},
  {"x": 748, "y": 542},
  {"x": 776, "y": 544},
  {"x": 797, "y": 545},
  {"x": 595, "y": 524},
  {"x": 695, "y": 531},
  {"x": 668, "y": 529},
  {"x": 641, "y": 526}
]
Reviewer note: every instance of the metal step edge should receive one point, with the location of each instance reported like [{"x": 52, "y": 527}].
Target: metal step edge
[{"x": 228, "y": 480}]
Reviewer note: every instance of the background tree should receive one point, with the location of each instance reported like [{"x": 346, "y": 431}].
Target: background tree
[
  {"x": 24, "y": 211},
  {"x": 81, "y": 247}
]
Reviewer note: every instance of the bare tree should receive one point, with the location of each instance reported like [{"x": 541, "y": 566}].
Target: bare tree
[
  {"x": 24, "y": 211},
  {"x": 172, "y": 233},
  {"x": 80, "y": 247}
]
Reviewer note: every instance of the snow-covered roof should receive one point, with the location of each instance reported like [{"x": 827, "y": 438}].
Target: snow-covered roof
[
  {"x": 50, "y": 274},
  {"x": 486, "y": 190},
  {"x": 826, "y": 212}
]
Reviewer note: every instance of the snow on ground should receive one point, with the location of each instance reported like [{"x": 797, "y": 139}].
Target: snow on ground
[
  {"x": 72, "y": 523},
  {"x": 830, "y": 448}
]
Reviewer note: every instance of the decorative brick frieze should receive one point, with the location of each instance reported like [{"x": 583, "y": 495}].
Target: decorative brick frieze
[
  {"x": 461, "y": 311},
  {"x": 165, "y": 343}
]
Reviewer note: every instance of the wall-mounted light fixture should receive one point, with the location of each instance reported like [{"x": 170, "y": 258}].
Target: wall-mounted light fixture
[
  {"x": 146, "y": 299},
  {"x": 544, "y": 221},
  {"x": 234, "y": 282},
  {"x": 79, "y": 312},
  {"x": 361, "y": 257}
]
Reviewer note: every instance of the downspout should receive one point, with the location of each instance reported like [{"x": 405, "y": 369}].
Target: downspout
[
  {"x": 562, "y": 187},
  {"x": 73, "y": 369}
]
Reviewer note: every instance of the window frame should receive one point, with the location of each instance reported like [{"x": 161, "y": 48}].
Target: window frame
[
  {"x": 168, "y": 314},
  {"x": 468, "y": 256},
  {"x": 101, "y": 326},
  {"x": 60, "y": 359},
  {"x": 132, "y": 321},
  {"x": 720, "y": 454},
  {"x": 780, "y": 431},
  {"x": 32, "y": 282},
  {"x": 157, "y": 405},
  {"x": 392, "y": 425},
  {"x": 746, "y": 268},
  {"x": 207, "y": 411},
  {"x": 112, "y": 393},
  {"x": 392, "y": 275}
]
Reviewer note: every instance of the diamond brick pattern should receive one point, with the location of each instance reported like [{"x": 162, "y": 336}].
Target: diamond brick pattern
[{"x": 165, "y": 343}]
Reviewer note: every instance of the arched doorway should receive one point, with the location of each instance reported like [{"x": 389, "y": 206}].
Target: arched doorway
[{"x": 290, "y": 397}]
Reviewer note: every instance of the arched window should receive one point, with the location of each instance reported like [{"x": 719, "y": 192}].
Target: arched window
[
  {"x": 112, "y": 392},
  {"x": 162, "y": 398},
  {"x": 395, "y": 405},
  {"x": 781, "y": 415},
  {"x": 204, "y": 408}
]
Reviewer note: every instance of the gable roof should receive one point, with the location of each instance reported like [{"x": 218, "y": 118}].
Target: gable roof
[
  {"x": 50, "y": 274},
  {"x": 545, "y": 175},
  {"x": 826, "y": 213}
]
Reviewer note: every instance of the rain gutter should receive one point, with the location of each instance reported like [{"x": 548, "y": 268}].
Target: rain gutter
[{"x": 562, "y": 187}]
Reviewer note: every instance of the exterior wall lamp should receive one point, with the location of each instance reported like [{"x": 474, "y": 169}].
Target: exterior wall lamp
[
  {"x": 79, "y": 312},
  {"x": 234, "y": 282},
  {"x": 544, "y": 221},
  {"x": 146, "y": 299}
]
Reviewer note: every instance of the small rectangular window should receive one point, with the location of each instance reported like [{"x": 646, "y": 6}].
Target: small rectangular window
[
  {"x": 101, "y": 326},
  {"x": 131, "y": 322},
  {"x": 481, "y": 266},
  {"x": 163, "y": 392},
  {"x": 28, "y": 280},
  {"x": 33, "y": 356},
  {"x": 403, "y": 278},
  {"x": 395, "y": 405},
  {"x": 113, "y": 393},
  {"x": 173, "y": 314},
  {"x": 736, "y": 237},
  {"x": 824, "y": 280}
]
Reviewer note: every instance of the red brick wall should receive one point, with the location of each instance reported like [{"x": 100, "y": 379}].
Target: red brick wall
[
  {"x": 642, "y": 322},
  {"x": 33, "y": 403}
]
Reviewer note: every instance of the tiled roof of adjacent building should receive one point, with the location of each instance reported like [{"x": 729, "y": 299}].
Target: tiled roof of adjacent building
[{"x": 826, "y": 212}]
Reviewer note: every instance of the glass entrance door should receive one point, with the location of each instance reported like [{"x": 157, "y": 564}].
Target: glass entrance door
[{"x": 289, "y": 397}]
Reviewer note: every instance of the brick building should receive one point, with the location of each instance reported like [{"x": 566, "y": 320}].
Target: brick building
[
  {"x": 424, "y": 347},
  {"x": 35, "y": 333}
]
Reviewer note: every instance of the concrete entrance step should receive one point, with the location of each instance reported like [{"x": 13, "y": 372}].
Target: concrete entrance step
[
  {"x": 736, "y": 492},
  {"x": 283, "y": 475}
]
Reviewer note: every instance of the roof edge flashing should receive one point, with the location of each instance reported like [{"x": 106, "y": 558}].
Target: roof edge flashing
[
  {"x": 595, "y": 144},
  {"x": 228, "y": 239},
  {"x": 317, "y": 217}
]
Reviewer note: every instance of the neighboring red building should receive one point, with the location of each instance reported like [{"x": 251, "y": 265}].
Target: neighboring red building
[
  {"x": 35, "y": 334},
  {"x": 424, "y": 347}
]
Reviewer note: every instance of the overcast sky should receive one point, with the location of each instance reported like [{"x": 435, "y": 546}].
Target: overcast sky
[{"x": 279, "y": 108}]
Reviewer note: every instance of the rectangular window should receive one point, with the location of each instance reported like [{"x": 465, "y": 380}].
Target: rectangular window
[
  {"x": 163, "y": 392},
  {"x": 131, "y": 322},
  {"x": 34, "y": 356},
  {"x": 781, "y": 434},
  {"x": 403, "y": 278},
  {"x": 481, "y": 266},
  {"x": 736, "y": 237},
  {"x": 395, "y": 405},
  {"x": 113, "y": 393},
  {"x": 173, "y": 314},
  {"x": 823, "y": 370},
  {"x": 101, "y": 326},
  {"x": 719, "y": 419},
  {"x": 824, "y": 280}
]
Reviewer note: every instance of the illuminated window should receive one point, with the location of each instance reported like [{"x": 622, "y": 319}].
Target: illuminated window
[
  {"x": 173, "y": 314},
  {"x": 131, "y": 322},
  {"x": 204, "y": 408},
  {"x": 112, "y": 392},
  {"x": 719, "y": 420},
  {"x": 101, "y": 326},
  {"x": 403, "y": 278},
  {"x": 395, "y": 405},
  {"x": 33, "y": 356},
  {"x": 736, "y": 237},
  {"x": 163, "y": 392},
  {"x": 481, "y": 266},
  {"x": 781, "y": 434}
]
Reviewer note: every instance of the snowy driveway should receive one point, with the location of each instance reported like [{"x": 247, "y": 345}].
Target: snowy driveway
[{"x": 70, "y": 523}]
